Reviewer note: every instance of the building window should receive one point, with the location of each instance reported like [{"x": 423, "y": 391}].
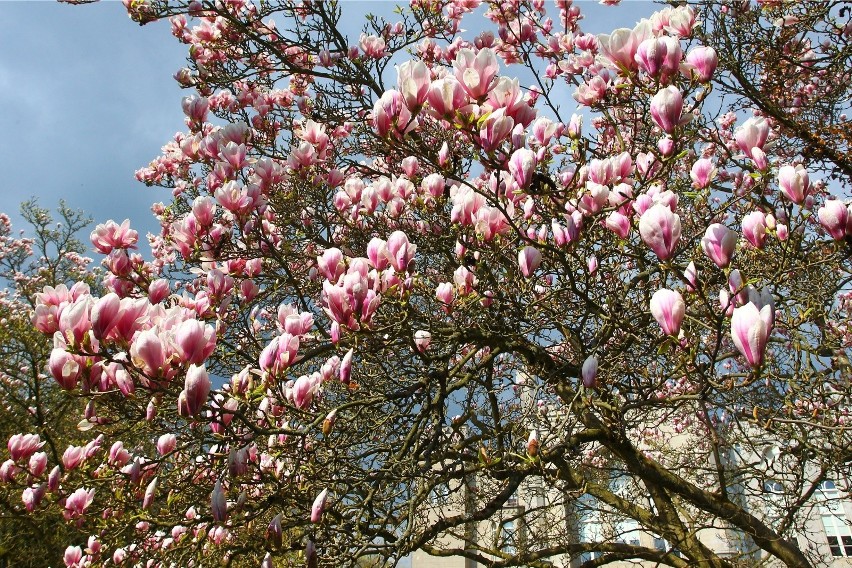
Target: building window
[
  {"x": 590, "y": 531},
  {"x": 440, "y": 494},
  {"x": 512, "y": 501},
  {"x": 838, "y": 534},
  {"x": 507, "y": 537},
  {"x": 663, "y": 545},
  {"x": 628, "y": 532}
]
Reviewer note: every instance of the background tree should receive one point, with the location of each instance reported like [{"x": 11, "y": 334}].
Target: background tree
[
  {"x": 440, "y": 281},
  {"x": 47, "y": 254}
]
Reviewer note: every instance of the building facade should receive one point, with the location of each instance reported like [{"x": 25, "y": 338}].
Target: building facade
[{"x": 539, "y": 518}]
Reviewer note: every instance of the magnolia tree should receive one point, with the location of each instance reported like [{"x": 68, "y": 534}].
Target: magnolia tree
[{"x": 614, "y": 267}]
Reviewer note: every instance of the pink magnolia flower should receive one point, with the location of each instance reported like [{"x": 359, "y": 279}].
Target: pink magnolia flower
[
  {"x": 73, "y": 457},
  {"x": 195, "y": 108},
  {"x": 702, "y": 62},
  {"x": 754, "y": 228},
  {"x": 507, "y": 94},
  {"x": 522, "y": 166},
  {"x": 794, "y": 182},
  {"x": 391, "y": 116},
  {"x": 73, "y": 557},
  {"x": 445, "y": 292},
  {"x": 750, "y": 329},
  {"x": 400, "y": 251},
  {"x": 575, "y": 126},
  {"x": 668, "y": 309},
  {"x": 64, "y": 368},
  {"x": 32, "y": 496},
  {"x": 377, "y": 252},
  {"x": 691, "y": 275},
  {"x": 589, "y": 371},
  {"x": 659, "y": 55},
  {"x": 650, "y": 55},
  {"x": 196, "y": 388},
  {"x": 719, "y": 243},
  {"x": 280, "y": 354},
  {"x": 53, "y": 478},
  {"x": 158, "y": 290},
  {"x": 110, "y": 235},
  {"x": 204, "y": 209},
  {"x": 529, "y": 260},
  {"x": 476, "y": 71},
  {"x": 293, "y": 322},
  {"x": 666, "y": 108},
  {"x": 703, "y": 172},
  {"x": 195, "y": 341},
  {"x": 22, "y": 446},
  {"x": 372, "y": 46},
  {"x": 166, "y": 443},
  {"x": 74, "y": 322},
  {"x": 413, "y": 80},
  {"x": 346, "y": 367},
  {"x": 38, "y": 463},
  {"x": 148, "y": 352},
  {"x": 660, "y": 229},
  {"x": 234, "y": 154},
  {"x": 433, "y": 185},
  {"x": 621, "y": 45},
  {"x": 105, "y": 314},
  {"x": 446, "y": 96},
  {"x": 592, "y": 264},
  {"x": 465, "y": 280},
  {"x": 8, "y": 471},
  {"x": 618, "y": 223},
  {"x": 93, "y": 545},
  {"x": 544, "y": 129},
  {"x": 304, "y": 389},
  {"x": 77, "y": 503},
  {"x": 752, "y": 135},
  {"x": 422, "y": 339},
  {"x": 218, "y": 504},
  {"x": 249, "y": 290},
  {"x": 443, "y": 155},
  {"x": 681, "y": 21},
  {"x": 833, "y": 216},
  {"x": 274, "y": 532},
  {"x": 331, "y": 264},
  {"x": 132, "y": 314},
  {"x": 150, "y": 493},
  {"x": 118, "y": 454},
  {"x": 318, "y": 506},
  {"x": 45, "y": 318},
  {"x": 496, "y": 129},
  {"x": 591, "y": 92}
]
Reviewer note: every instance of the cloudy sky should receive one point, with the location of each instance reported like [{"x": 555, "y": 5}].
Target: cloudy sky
[{"x": 87, "y": 98}]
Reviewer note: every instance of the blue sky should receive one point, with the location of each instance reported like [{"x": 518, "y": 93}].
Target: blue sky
[{"x": 87, "y": 98}]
